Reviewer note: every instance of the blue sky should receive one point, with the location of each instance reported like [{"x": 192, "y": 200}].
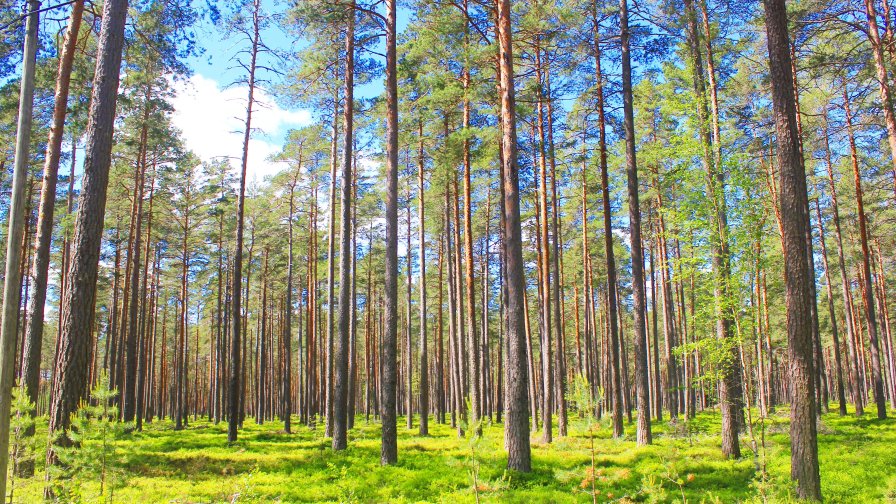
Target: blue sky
[{"x": 210, "y": 108}]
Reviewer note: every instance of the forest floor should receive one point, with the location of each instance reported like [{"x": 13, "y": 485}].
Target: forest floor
[{"x": 858, "y": 457}]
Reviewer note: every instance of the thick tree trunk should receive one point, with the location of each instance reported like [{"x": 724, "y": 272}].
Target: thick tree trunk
[
  {"x": 70, "y": 376},
  {"x": 35, "y": 327},
  {"x": 639, "y": 305},
  {"x": 388, "y": 389},
  {"x": 793, "y": 203},
  {"x": 516, "y": 430}
]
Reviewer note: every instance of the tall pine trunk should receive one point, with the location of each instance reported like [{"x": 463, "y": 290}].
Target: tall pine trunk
[
  {"x": 639, "y": 306},
  {"x": 516, "y": 430},
  {"x": 793, "y": 202},
  {"x": 234, "y": 411},
  {"x": 18, "y": 222},
  {"x": 340, "y": 405},
  {"x": 388, "y": 388},
  {"x": 70, "y": 376}
]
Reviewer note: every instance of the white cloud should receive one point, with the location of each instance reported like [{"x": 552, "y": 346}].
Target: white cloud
[{"x": 211, "y": 120}]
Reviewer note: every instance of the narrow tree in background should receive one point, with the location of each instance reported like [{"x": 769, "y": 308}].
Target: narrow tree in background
[
  {"x": 841, "y": 396},
  {"x": 340, "y": 405},
  {"x": 236, "y": 277},
  {"x": 612, "y": 285},
  {"x": 877, "y": 382},
  {"x": 424, "y": 356}
]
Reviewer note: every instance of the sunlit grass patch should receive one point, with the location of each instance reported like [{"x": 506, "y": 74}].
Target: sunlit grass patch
[{"x": 267, "y": 465}]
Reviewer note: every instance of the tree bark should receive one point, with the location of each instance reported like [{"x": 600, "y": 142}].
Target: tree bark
[
  {"x": 340, "y": 405},
  {"x": 883, "y": 81},
  {"x": 234, "y": 413},
  {"x": 516, "y": 430},
  {"x": 70, "y": 376},
  {"x": 612, "y": 285},
  {"x": 852, "y": 354},
  {"x": 424, "y": 357},
  {"x": 867, "y": 287},
  {"x": 841, "y": 397},
  {"x": 794, "y": 202},
  {"x": 16, "y": 234},
  {"x": 639, "y": 305},
  {"x": 388, "y": 388}
]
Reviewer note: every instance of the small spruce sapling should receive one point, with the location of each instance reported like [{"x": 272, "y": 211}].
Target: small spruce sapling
[
  {"x": 476, "y": 436},
  {"x": 585, "y": 403},
  {"x": 91, "y": 456},
  {"x": 21, "y": 450}
]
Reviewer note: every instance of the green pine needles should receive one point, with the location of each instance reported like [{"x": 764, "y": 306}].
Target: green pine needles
[
  {"x": 91, "y": 467},
  {"x": 22, "y": 446}
]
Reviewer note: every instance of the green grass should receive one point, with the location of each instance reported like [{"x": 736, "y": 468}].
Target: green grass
[{"x": 858, "y": 458}]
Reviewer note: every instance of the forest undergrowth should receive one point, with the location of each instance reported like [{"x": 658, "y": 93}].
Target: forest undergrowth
[{"x": 196, "y": 464}]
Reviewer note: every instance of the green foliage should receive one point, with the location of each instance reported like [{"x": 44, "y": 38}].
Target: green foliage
[
  {"x": 197, "y": 465},
  {"x": 244, "y": 492},
  {"x": 22, "y": 443},
  {"x": 90, "y": 465}
]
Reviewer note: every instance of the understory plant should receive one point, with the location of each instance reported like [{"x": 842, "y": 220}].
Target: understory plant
[
  {"x": 90, "y": 468},
  {"x": 586, "y": 402},
  {"x": 22, "y": 447}
]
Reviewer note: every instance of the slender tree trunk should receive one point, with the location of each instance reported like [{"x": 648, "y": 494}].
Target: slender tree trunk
[
  {"x": 469, "y": 280},
  {"x": 867, "y": 287},
  {"x": 234, "y": 415},
  {"x": 408, "y": 348},
  {"x": 544, "y": 267},
  {"x": 129, "y": 394},
  {"x": 353, "y": 311},
  {"x": 841, "y": 397},
  {"x": 145, "y": 299},
  {"x": 331, "y": 274},
  {"x": 883, "y": 79},
  {"x": 612, "y": 308},
  {"x": 424, "y": 356},
  {"x": 853, "y": 356},
  {"x": 730, "y": 392},
  {"x": 286, "y": 386},
  {"x": 340, "y": 405},
  {"x": 35, "y": 327},
  {"x": 16, "y": 234}
]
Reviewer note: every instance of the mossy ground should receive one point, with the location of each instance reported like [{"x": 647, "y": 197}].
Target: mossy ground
[{"x": 858, "y": 464}]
